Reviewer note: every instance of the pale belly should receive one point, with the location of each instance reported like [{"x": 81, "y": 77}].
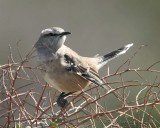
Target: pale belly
[{"x": 66, "y": 82}]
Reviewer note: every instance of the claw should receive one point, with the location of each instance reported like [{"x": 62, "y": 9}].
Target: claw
[{"x": 61, "y": 101}]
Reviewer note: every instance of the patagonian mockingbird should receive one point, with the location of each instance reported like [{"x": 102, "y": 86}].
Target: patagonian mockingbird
[{"x": 66, "y": 70}]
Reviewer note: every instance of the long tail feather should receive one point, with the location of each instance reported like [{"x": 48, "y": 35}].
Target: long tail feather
[{"x": 112, "y": 55}]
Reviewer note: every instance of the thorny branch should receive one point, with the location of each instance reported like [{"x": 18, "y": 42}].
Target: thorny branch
[{"x": 25, "y": 99}]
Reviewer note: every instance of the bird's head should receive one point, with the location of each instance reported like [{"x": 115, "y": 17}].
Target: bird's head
[{"x": 52, "y": 38}]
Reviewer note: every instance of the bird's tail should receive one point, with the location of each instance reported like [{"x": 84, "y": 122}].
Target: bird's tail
[{"x": 106, "y": 58}]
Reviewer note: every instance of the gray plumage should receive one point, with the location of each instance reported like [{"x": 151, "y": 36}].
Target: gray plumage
[{"x": 65, "y": 70}]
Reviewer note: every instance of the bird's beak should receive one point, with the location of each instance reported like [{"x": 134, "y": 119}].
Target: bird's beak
[{"x": 65, "y": 33}]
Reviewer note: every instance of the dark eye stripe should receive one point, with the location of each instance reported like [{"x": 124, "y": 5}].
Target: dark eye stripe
[{"x": 50, "y": 34}]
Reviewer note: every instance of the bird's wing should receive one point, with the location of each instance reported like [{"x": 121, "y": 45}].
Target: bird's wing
[{"x": 88, "y": 73}]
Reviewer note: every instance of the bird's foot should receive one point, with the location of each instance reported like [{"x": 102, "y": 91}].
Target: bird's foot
[{"x": 61, "y": 101}]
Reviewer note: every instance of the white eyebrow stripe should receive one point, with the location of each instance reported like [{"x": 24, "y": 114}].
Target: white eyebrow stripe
[{"x": 46, "y": 30}]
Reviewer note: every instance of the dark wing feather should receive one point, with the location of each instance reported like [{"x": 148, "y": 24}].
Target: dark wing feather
[{"x": 87, "y": 73}]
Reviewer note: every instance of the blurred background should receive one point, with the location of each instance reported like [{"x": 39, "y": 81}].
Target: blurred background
[{"x": 97, "y": 27}]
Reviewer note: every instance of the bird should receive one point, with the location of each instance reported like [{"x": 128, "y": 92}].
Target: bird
[{"x": 66, "y": 70}]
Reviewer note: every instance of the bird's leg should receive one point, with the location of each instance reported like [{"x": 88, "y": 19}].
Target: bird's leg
[{"x": 61, "y": 101}]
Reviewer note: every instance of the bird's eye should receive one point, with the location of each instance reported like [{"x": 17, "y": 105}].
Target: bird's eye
[{"x": 51, "y": 34}]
